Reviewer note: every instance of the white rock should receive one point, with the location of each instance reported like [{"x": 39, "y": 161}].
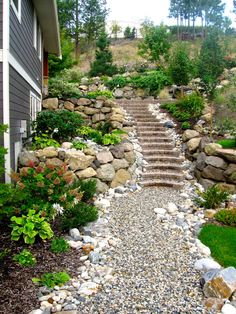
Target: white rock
[
  {"x": 172, "y": 208},
  {"x": 160, "y": 211},
  {"x": 88, "y": 239},
  {"x": 88, "y": 288},
  {"x": 203, "y": 249},
  {"x": 103, "y": 203},
  {"x": 75, "y": 244},
  {"x": 228, "y": 309},
  {"x": 83, "y": 258},
  {"x": 36, "y": 312},
  {"x": 56, "y": 308},
  {"x": 75, "y": 234},
  {"x": 206, "y": 264},
  {"x": 45, "y": 305}
]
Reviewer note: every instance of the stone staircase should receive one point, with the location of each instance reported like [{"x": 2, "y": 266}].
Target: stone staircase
[{"x": 164, "y": 166}]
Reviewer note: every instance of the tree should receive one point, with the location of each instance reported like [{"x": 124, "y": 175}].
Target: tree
[
  {"x": 180, "y": 65},
  {"x": 103, "y": 62},
  {"x": 134, "y": 33},
  {"x": 127, "y": 33},
  {"x": 156, "y": 44},
  {"x": 115, "y": 29}
]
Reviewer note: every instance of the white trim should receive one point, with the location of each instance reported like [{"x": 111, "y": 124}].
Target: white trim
[
  {"x": 17, "y": 12},
  {"x": 35, "y": 30},
  {"x": 35, "y": 105},
  {"x": 15, "y": 64},
  {"x": 6, "y": 93},
  {"x": 1, "y": 55},
  {"x": 40, "y": 43}
]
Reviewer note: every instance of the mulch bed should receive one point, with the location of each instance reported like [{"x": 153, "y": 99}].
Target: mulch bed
[{"x": 18, "y": 294}]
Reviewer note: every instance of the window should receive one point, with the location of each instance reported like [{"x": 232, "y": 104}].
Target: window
[
  {"x": 35, "y": 106},
  {"x": 16, "y": 5},
  {"x": 37, "y": 36}
]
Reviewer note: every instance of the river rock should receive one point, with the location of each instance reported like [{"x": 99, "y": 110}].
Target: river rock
[
  {"x": 210, "y": 149},
  {"x": 120, "y": 164},
  {"x": 121, "y": 177},
  {"x": 86, "y": 173},
  {"x": 228, "y": 154},
  {"x": 104, "y": 157},
  {"x": 193, "y": 144},
  {"x": 69, "y": 106},
  {"x": 189, "y": 134},
  {"x": 75, "y": 234},
  {"x": 51, "y": 103},
  {"x": 216, "y": 162},
  {"x": 211, "y": 172},
  {"x": 48, "y": 152},
  {"x": 80, "y": 162},
  {"x": 106, "y": 172},
  {"x": 117, "y": 151},
  {"x": 206, "y": 264}
]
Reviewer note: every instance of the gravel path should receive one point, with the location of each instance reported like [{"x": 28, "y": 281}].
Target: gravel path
[{"x": 153, "y": 264}]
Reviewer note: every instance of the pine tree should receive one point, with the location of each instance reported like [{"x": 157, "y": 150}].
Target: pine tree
[{"x": 103, "y": 62}]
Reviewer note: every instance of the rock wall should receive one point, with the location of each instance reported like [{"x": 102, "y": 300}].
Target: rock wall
[
  {"x": 212, "y": 163},
  {"x": 93, "y": 111},
  {"x": 111, "y": 167}
]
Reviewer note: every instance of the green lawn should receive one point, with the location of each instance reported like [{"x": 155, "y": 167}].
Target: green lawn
[
  {"x": 228, "y": 143},
  {"x": 222, "y": 242}
]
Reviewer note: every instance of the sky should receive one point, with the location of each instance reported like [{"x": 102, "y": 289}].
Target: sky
[{"x": 128, "y": 11}]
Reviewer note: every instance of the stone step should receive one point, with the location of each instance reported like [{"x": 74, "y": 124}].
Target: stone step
[
  {"x": 144, "y": 139},
  {"x": 163, "y": 175},
  {"x": 149, "y": 120},
  {"x": 153, "y": 129},
  {"x": 164, "y": 166},
  {"x": 149, "y": 123},
  {"x": 164, "y": 183},
  {"x": 164, "y": 159},
  {"x": 157, "y": 145},
  {"x": 151, "y": 133},
  {"x": 158, "y": 152}
]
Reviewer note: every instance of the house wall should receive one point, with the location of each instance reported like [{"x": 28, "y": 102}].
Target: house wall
[{"x": 1, "y": 24}]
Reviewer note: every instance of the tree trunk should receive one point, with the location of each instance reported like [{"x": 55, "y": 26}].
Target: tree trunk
[
  {"x": 77, "y": 48},
  {"x": 178, "y": 31}
]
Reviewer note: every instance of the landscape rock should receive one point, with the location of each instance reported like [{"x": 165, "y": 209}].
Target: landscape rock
[
  {"x": 118, "y": 93},
  {"x": 48, "y": 152},
  {"x": 101, "y": 187},
  {"x": 228, "y": 154},
  {"x": 193, "y": 144},
  {"x": 66, "y": 145},
  {"x": 83, "y": 102},
  {"x": 210, "y": 149},
  {"x": 117, "y": 151},
  {"x": 203, "y": 249},
  {"x": 51, "y": 103},
  {"x": 94, "y": 257},
  {"x": 91, "y": 111},
  {"x": 169, "y": 125},
  {"x": 160, "y": 211},
  {"x": 201, "y": 161},
  {"x": 189, "y": 134},
  {"x": 120, "y": 164},
  {"x": 121, "y": 177},
  {"x": 88, "y": 288},
  {"x": 128, "y": 147},
  {"x": 55, "y": 162},
  {"x": 106, "y": 172},
  {"x": 86, "y": 173},
  {"x": 216, "y": 162},
  {"x": 25, "y": 157},
  {"x": 80, "y": 162},
  {"x": 206, "y": 264},
  {"x": 214, "y": 304},
  {"x": 130, "y": 157},
  {"x": 75, "y": 234},
  {"x": 69, "y": 106},
  {"x": 104, "y": 157},
  {"x": 98, "y": 117},
  {"x": 211, "y": 172},
  {"x": 228, "y": 309}
]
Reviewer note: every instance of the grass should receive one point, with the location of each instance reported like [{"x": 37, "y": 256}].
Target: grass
[
  {"x": 228, "y": 143},
  {"x": 222, "y": 242}
]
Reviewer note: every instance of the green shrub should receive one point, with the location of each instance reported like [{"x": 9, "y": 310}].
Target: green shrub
[
  {"x": 3, "y": 254},
  {"x": 226, "y": 216},
  {"x": 71, "y": 75},
  {"x": 78, "y": 215},
  {"x": 25, "y": 258},
  {"x": 193, "y": 104},
  {"x": 117, "y": 81},
  {"x": 153, "y": 81},
  {"x": 61, "y": 125},
  {"x": 42, "y": 141},
  {"x": 79, "y": 145},
  {"x": 63, "y": 89},
  {"x": 59, "y": 245},
  {"x": 50, "y": 280},
  {"x": 105, "y": 93},
  {"x": 185, "y": 125},
  {"x": 228, "y": 143},
  {"x": 3, "y": 151},
  {"x": 225, "y": 125},
  {"x": 29, "y": 226},
  {"x": 212, "y": 198},
  {"x": 88, "y": 188}
]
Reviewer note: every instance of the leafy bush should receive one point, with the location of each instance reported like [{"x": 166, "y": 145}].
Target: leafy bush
[
  {"x": 117, "y": 81},
  {"x": 88, "y": 188},
  {"x": 79, "y": 145},
  {"x": 42, "y": 141},
  {"x": 59, "y": 245},
  {"x": 193, "y": 104},
  {"x": 225, "y": 125},
  {"x": 230, "y": 62},
  {"x": 3, "y": 254},
  {"x": 105, "y": 93},
  {"x": 212, "y": 198},
  {"x": 51, "y": 280},
  {"x": 63, "y": 89},
  {"x": 71, "y": 75},
  {"x": 104, "y": 139},
  {"x": 29, "y": 226},
  {"x": 61, "y": 125},
  {"x": 153, "y": 81},
  {"x": 25, "y": 258},
  {"x": 228, "y": 143},
  {"x": 103, "y": 60},
  {"x": 185, "y": 125},
  {"x": 227, "y": 216},
  {"x": 78, "y": 215}
]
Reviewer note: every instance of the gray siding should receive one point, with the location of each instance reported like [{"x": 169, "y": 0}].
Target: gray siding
[
  {"x": 1, "y": 103},
  {"x": 1, "y": 24},
  {"x": 19, "y": 108},
  {"x": 21, "y": 41}
]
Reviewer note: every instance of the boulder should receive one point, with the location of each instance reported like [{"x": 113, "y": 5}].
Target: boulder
[
  {"x": 106, "y": 173},
  {"x": 98, "y": 117},
  {"x": 86, "y": 173},
  {"x": 101, "y": 187},
  {"x": 104, "y": 157},
  {"x": 214, "y": 304},
  {"x": 206, "y": 183},
  {"x": 230, "y": 173},
  {"x": 206, "y": 264},
  {"x": 110, "y": 103},
  {"x": 118, "y": 93},
  {"x": 128, "y": 147},
  {"x": 69, "y": 106},
  {"x": 117, "y": 117},
  {"x": 228, "y": 309},
  {"x": 216, "y": 162},
  {"x": 117, "y": 151},
  {"x": 66, "y": 145},
  {"x": 121, "y": 177},
  {"x": 201, "y": 161},
  {"x": 117, "y": 110},
  {"x": 130, "y": 157},
  {"x": 169, "y": 125},
  {"x": 55, "y": 162},
  {"x": 193, "y": 144},
  {"x": 91, "y": 111},
  {"x": 51, "y": 103},
  {"x": 89, "y": 151},
  {"x": 116, "y": 125},
  {"x": 213, "y": 173},
  {"x": 120, "y": 164},
  {"x": 207, "y": 117},
  {"x": 220, "y": 284},
  {"x": 84, "y": 102},
  {"x": 48, "y": 152},
  {"x": 210, "y": 149},
  {"x": 106, "y": 110},
  {"x": 189, "y": 134},
  {"x": 80, "y": 162},
  {"x": 26, "y": 157},
  {"x": 228, "y": 154},
  {"x": 230, "y": 188}
]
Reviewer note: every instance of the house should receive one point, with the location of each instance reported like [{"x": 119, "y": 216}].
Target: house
[{"x": 29, "y": 31}]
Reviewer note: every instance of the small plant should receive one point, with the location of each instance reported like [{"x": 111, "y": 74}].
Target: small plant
[
  {"x": 88, "y": 188},
  {"x": 105, "y": 93},
  {"x": 3, "y": 151},
  {"x": 60, "y": 125},
  {"x": 42, "y": 141},
  {"x": 3, "y": 254},
  {"x": 29, "y": 226},
  {"x": 185, "y": 125},
  {"x": 225, "y": 125},
  {"x": 25, "y": 258},
  {"x": 63, "y": 89},
  {"x": 227, "y": 216},
  {"x": 212, "y": 198},
  {"x": 228, "y": 143},
  {"x": 50, "y": 280},
  {"x": 117, "y": 81},
  {"x": 59, "y": 245},
  {"x": 79, "y": 145},
  {"x": 78, "y": 215}
]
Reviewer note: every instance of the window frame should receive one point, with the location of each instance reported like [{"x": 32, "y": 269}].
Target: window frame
[
  {"x": 35, "y": 105},
  {"x": 17, "y": 12}
]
